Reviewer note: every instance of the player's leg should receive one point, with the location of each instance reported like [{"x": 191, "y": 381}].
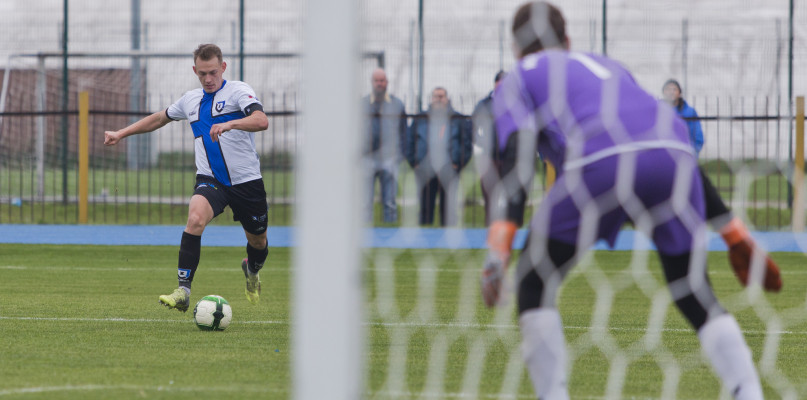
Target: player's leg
[
  {"x": 543, "y": 343},
  {"x": 257, "y": 251},
  {"x": 682, "y": 250},
  {"x": 199, "y": 214},
  {"x": 207, "y": 202},
  {"x": 549, "y": 252},
  {"x": 721, "y": 338},
  {"x": 248, "y": 202},
  {"x": 743, "y": 249}
]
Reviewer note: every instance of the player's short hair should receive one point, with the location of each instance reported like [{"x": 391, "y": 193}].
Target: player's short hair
[
  {"x": 538, "y": 25},
  {"x": 207, "y": 52}
]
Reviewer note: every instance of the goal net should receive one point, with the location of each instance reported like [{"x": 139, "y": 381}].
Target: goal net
[{"x": 425, "y": 332}]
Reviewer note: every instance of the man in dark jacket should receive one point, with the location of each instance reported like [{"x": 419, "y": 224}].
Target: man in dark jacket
[
  {"x": 384, "y": 130},
  {"x": 439, "y": 146}
]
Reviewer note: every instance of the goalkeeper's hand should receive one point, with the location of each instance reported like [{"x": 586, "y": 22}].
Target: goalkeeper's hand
[{"x": 500, "y": 241}]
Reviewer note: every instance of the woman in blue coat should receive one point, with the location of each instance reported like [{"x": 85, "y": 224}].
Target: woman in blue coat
[{"x": 672, "y": 94}]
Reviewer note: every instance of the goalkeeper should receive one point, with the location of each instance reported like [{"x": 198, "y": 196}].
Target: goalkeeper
[{"x": 622, "y": 156}]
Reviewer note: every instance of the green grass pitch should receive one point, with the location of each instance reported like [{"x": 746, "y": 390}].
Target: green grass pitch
[{"x": 83, "y": 322}]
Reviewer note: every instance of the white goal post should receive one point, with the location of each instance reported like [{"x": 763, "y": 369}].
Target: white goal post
[{"x": 327, "y": 330}]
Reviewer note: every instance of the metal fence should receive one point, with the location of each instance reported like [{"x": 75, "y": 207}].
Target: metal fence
[
  {"x": 736, "y": 70},
  {"x": 747, "y": 154}
]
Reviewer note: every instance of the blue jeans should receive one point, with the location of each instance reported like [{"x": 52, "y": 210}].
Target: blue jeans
[{"x": 388, "y": 180}]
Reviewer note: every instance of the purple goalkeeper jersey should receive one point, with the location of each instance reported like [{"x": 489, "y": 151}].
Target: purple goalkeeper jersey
[{"x": 586, "y": 107}]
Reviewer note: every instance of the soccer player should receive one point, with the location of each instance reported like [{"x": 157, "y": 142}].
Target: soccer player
[
  {"x": 621, "y": 155},
  {"x": 223, "y": 116}
]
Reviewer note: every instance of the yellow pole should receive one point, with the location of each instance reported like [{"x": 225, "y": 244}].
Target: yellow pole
[
  {"x": 550, "y": 174},
  {"x": 798, "y": 173},
  {"x": 83, "y": 154}
]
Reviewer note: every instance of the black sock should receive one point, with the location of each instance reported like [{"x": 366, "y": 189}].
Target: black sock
[
  {"x": 696, "y": 307},
  {"x": 256, "y": 258},
  {"x": 189, "y": 250}
]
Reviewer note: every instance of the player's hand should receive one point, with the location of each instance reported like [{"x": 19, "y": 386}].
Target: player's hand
[
  {"x": 752, "y": 264},
  {"x": 493, "y": 275},
  {"x": 217, "y": 129},
  {"x": 111, "y": 138},
  {"x": 500, "y": 243}
]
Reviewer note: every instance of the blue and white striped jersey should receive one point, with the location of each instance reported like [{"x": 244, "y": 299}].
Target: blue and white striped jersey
[{"x": 233, "y": 159}]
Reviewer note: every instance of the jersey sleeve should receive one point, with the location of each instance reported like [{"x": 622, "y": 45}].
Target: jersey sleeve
[
  {"x": 246, "y": 97},
  {"x": 176, "y": 111},
  {"x": 511, "y": 109}
]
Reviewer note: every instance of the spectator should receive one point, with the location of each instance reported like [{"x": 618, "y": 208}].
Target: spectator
[
  {"x": 384, "y": 130},
  {"x": 672, "y": 95},
  {"x": 439, "y": 146},
  {"x": 485, "y": 146}
]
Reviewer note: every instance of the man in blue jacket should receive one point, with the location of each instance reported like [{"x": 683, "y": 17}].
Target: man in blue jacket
[
  {"x": 439, "y": 145},
  {"x": 672, "y": 94}
]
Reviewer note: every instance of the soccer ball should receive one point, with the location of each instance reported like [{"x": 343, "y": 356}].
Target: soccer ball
[{"x": 212, "y": 313}]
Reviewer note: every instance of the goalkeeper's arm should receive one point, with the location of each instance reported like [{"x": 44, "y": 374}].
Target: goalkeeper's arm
[
  {"x": 515, "y": 168},
  {"x": 510, "y": 195}
]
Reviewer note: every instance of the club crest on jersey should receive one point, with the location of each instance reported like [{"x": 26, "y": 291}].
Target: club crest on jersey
[{"x": 219, "y": 105}]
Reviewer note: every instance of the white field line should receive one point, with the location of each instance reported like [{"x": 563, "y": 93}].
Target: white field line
[
  {"x": 459, "y": 395},
  {"x": 241, "y": 389},
  {"x": 270, "y": 269},
  {"x": 161, "y": 388},
  {"x": 435, "y": 325}
]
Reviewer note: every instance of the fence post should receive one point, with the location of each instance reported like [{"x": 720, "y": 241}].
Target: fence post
[
  {"x": 83, "y": 154},
  {"x": 41, "y": 96},
  {"x": 798, "y": 166}
]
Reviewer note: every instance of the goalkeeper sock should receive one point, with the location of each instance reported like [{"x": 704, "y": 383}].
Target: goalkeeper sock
[
  {"x": 724, "y": 345},
  {"x": 256, "y": 258},
  {"x": 190, "y": 249},
  {"x": 544, "y": 351}
]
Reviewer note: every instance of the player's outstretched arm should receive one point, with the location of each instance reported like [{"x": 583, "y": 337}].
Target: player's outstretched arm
[{"x": 151, "y": 123}]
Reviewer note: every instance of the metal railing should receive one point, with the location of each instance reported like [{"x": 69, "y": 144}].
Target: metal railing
[{"x": 752, "y": 169}]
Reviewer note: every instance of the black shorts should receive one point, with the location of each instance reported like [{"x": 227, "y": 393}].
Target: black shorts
[{"x": 247, "y": 200}]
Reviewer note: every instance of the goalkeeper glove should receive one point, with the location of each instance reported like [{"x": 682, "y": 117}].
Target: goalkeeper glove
[
  {"x": 742, "y": 249},
  {"x": 500, "y": 242}
]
